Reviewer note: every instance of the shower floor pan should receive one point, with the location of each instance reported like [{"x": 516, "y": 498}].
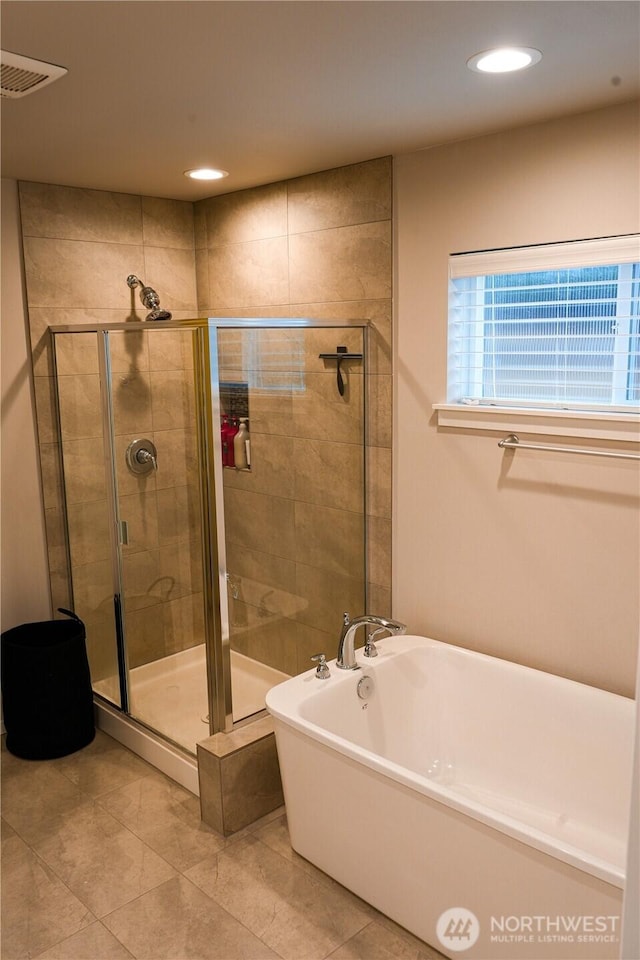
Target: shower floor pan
[{"x": 170, "y": 695}]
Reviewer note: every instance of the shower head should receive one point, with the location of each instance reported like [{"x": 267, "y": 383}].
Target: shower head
[{"x": 149, "y": 298}]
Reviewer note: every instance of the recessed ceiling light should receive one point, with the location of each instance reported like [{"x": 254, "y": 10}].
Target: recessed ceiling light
[
  {"x": 504, "y": 59},
  {"x": 206, "y": 173}
]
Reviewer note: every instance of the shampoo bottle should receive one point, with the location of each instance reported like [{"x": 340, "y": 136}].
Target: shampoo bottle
[{"x": 240, "y": 442}]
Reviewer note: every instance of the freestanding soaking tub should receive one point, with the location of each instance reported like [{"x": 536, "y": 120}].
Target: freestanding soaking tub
[{"x": 481, "y": 804}]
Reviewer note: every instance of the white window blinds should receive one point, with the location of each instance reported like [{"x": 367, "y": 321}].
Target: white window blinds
[{"x": 555, "y": 325}]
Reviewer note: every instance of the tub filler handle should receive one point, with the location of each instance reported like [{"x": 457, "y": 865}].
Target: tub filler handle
[
  {"x": 322, "y": 670},
  {"x": 346, "y": 659}
]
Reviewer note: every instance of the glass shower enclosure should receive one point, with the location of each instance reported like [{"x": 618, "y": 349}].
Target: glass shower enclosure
[{"x": 213, "y": 480}]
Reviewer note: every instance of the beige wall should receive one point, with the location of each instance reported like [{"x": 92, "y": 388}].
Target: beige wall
[
  {"x": 529, "y": 557},
  {"x": 25, "y": 581}
]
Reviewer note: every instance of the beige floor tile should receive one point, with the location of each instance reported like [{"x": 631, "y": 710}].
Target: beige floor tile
[
  {"x": 379, "y": 942},
  {"x": 24, "y": 785},
  {"x": 103, "y": 864},
  {"x": 291, "y": 912},
  {"x": 276, "y": 835},
  {"x": 167, "y": 818},
  {"x": 178, "y": 921},
  {"x": 92, "y": 943},
  {"x": 37, "y": 908},
  {"x": 102, "y": 766}
]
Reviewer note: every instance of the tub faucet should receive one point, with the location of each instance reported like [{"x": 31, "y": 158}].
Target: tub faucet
[{"x": 346, "y": 647}]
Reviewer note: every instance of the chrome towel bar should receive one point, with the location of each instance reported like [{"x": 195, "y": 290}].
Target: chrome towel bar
[{"x": 513, "y": 442}]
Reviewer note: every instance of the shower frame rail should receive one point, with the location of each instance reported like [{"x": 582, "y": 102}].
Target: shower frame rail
[{"x": 513, "y": 442}]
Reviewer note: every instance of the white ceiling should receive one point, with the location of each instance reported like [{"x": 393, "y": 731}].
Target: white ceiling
[{"x": 270, "y": 90}]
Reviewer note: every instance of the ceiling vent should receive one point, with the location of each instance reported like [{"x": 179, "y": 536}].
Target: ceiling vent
[{"x": 22, "y": 75}]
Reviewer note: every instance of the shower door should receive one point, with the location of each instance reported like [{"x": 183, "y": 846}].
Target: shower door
[
  {"x": 294, "y": 514},
  {"x": 155, "y": 455}
]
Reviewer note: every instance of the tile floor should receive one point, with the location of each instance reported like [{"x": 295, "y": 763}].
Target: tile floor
[{"x": 103, "y": 857}]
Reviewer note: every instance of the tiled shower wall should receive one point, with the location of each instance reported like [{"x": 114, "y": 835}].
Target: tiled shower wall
[{"x": 318, "y": 246}]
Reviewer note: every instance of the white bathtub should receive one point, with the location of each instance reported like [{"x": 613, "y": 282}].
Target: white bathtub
[{"x": 464, "y": 781}]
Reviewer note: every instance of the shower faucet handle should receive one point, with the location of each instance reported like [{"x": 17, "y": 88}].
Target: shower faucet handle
[
  {"x": 146, "y": 456},
  {"x": 322, "y": 670}
]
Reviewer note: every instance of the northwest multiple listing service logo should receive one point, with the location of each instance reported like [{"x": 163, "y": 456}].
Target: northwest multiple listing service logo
[{"x": 458, "y": 929}]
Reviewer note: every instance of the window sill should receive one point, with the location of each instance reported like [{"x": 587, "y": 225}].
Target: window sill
[{"x": 588, "y": 425}]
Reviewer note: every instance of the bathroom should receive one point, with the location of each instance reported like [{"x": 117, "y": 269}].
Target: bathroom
[{"x": 570, "y": 609}]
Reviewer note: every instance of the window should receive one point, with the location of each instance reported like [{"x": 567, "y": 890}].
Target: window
[{"x": 555, "y": 326}]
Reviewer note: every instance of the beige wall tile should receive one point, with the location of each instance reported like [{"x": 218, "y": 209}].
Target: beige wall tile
[
  {"x": 200, "y": 224},
  {"x": 210, "y": 781},
  {"x": 140, "y": 512},
  {"x": 145, "y": 635},
  {"x": 80, "y": 409},
  {"x": 329, "y": 473},
  {"x": 271, "y": 467},
  {"x": 347, "y": 195},
  {"x": 177, "y": 458},
  {"x": 379, "y": 410},
  {"x": 76, "y": 353},
  {"x": 141, "y": 579},
  {"x": 347, "y": 263},
  {"x": 56, "y": 540},
  {"x": 379, "y": 482},
  {"x": 178, "y": 513},
  {"x": 330, "y": 539},
  {"x": 128, "y": 353},
  {"x": 264, "y": 570},
  {"x": 167, "y": 223},
  {"x": 171, "y": 273},
  {"x": 379, "y": 600},
  {"x": 260, "y": 522},
  {"x": 131, "y": 399},
  {"x": 72, "y": 213},
  {"x": 266, "y": 637},
  {"x": 202, "y": 280},
  {"x": 379, "y": 550},
  {"x": 251, "y": 784},
  {"x": 249, "y": 274},
  {"x": 93, "y": 589},
  {"x": 44, "y": 388},
  {"x": 267, "y": 600},
  {"x": 171, "y": 350},
  {"x": 51, "y": 473},
  {"x": 172, "y": 399},
  {"x": 312, "y": 641},
  {"x": 71, "y": 273},
  {"x": 319, "y": 412},
  {"x": 254, "y": 214},
  {"x": 84, "y": 471},
  {"x": 180, "y": 569},
  {"x": 328, "y": 596},
  {"x": 183, "y": 624},
  {"x": 89, "y": 532}
]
